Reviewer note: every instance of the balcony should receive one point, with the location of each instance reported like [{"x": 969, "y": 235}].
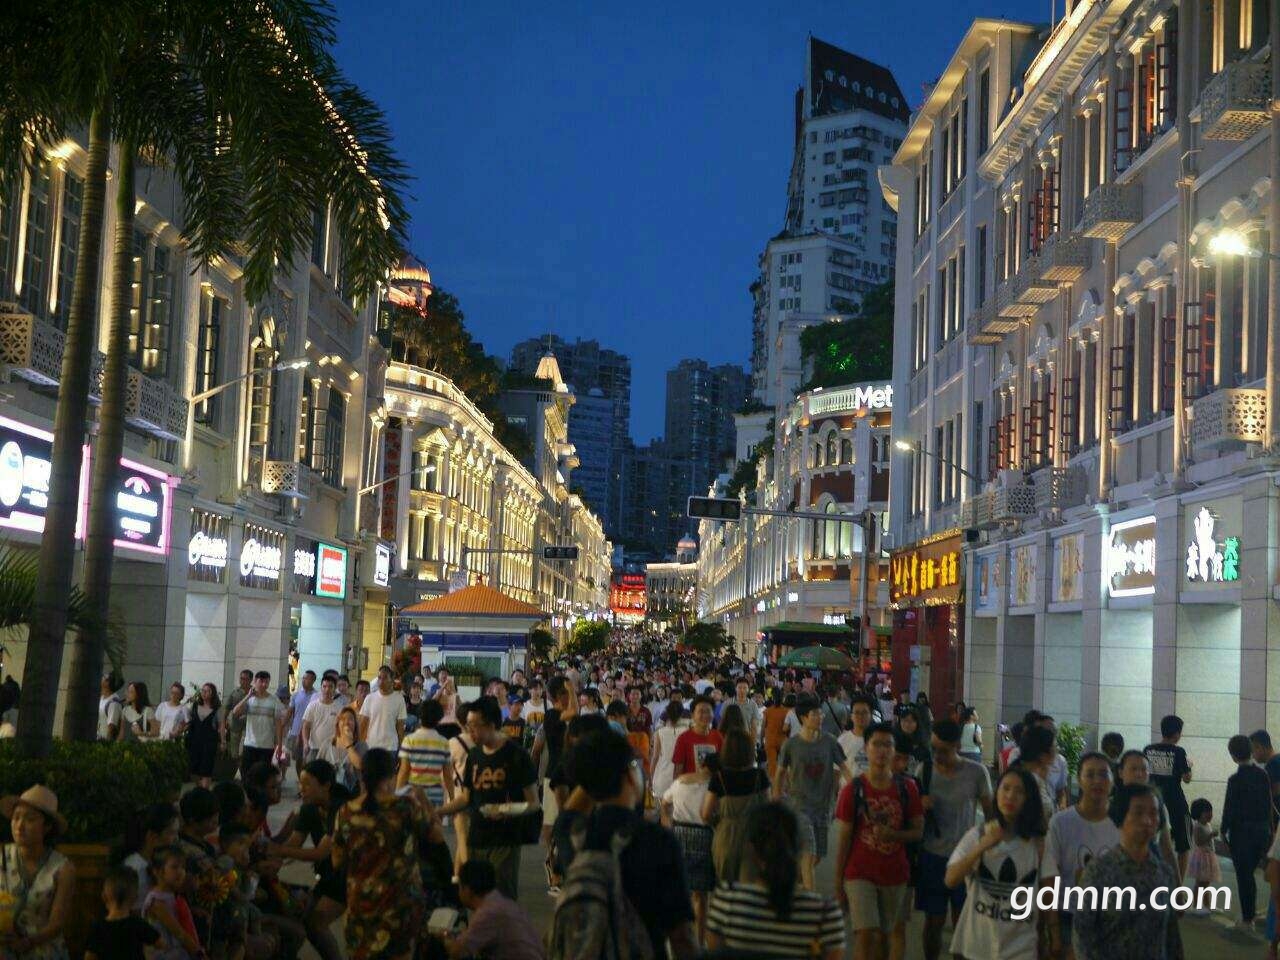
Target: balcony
[
  {"x": 1111, "y": 210},
  {"x": 1033, "y": 288},
  {"x": 146, "y": 405},
  {"x": 1235, "y": 103},
  {"x": 32, "y": 348},
  {"x": 1064, "y": 258},
  {"x": 1009, "y": 303},
  {"x": 1228, "y": 417},
  {"x": 975, "y": 513},
  {"x": 987, "y": 326},
  {"x": 287, "y": 478},
  {"x": 1013, "y": 499},
  {"x": 1059, "y": 488}
]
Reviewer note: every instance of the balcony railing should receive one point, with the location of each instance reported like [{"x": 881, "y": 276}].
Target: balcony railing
[
  {"x": 1058, "y": 488},
  {"x": 1224, "y": 417},
  {"x": 1009, "y": 302},
  {"x": 975, "y": 512},
  {"x": 1235, "y": 103},
  {"x": 287, "y": 478},
  {"x": 146, "y": 405},
  {"x": 1111, "y": 210},
  {"x": 1064, "y": 258},
  {"x": 1013, "y": 499},
  {"x": 33, "y": 349}
]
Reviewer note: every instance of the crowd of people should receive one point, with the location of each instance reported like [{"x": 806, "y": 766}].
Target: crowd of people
[{"x": 678, "y": 803}]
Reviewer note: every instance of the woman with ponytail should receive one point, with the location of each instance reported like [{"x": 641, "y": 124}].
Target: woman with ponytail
[
  {"x": 373, "y": 841},
  {"x": 769, "y": 914}
]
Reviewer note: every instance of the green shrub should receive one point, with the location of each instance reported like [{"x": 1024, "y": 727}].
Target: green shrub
[
  {"x": 1071, "y": 744},
  {"x": 99, "y": 785}
]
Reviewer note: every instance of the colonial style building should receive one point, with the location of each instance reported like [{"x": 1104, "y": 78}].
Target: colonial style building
[
  {"x": 1087, "y": 385},
  {"x": 830, "y": 455}
]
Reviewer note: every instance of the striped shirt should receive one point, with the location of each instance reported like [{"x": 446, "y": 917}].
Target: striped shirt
[
  {"x": 427, "y": 752},
  {"x": 740, "y": 914}
]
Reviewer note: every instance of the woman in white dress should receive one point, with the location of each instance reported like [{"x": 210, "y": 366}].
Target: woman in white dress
[{"x": 664, "y": 748}]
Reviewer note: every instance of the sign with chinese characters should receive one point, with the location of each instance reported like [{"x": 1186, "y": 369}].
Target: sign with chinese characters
[
  {"x": 1068, "y": 568},
  {"x": 1023, "y": 565},
  {"x": 207, "y": 548},
  {"x": 1129, "y": 560},
  {"x": 927, "y": 573},
  {"x": 985, "y": 594},
  {"x": 142, "y": 494},
  {"x": 1211, "y": 543},
  {"x": 381, "y": 565},
  {"x": 331, "y": 571},
  {"x": 261, "y": 556}
]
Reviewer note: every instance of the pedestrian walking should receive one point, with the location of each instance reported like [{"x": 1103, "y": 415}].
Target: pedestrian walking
[
  {"x": 736, "y": 789},
  {"x": 699, "y": 741},
  {"x": 320, "y": 722},
  {"x": 233, "y": 724},
  {"x": 1203, "y": 868},
  {"x": 682, "y": 809},
  {"x": 664, "y": 748},
  {"x": 204, "y": 735},
  {"x": 811, "y": 768},
  {"x": 295, "y": 716},
  {"x": 382, "y": 715},
  {"x": 172, "y": 716},
  {"x": 1246, "y": 823},
  {"x": 1170, "y": 769},
  {"x": 264, "y": 723},
  {"x": 424, "y": 756}
]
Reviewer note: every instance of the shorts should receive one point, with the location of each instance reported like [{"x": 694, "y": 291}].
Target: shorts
[
  {"x": 814, "y": 826},
  {"x": 933, "y": 897},
  {"x": 1179, "y": 827},
  {"x": 294, "y": 746},
  {"x": 876, "y": 907},
  {"x": 550, "y": 808}
]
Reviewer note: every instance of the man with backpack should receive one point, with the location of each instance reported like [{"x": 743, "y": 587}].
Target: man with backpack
[
  {"x": 624, "y": 886},
  {"x": 879, "y": 814}
]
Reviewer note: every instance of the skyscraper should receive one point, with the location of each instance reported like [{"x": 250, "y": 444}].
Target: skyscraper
[{"x": 838, "y": 241}]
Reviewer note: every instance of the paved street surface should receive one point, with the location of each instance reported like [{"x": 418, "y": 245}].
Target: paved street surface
[{"x": 1203, "y": 938}]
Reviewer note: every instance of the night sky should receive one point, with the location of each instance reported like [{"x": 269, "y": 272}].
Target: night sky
[{"x": 614, "y": 170}]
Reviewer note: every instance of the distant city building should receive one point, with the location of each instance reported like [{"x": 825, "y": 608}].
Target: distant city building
[
  {"x": 591, "y": 433},
  {"x": 839, "y": 238}
]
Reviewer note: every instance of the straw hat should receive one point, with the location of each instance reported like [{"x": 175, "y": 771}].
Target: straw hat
[{"x": 39, "y": 798}]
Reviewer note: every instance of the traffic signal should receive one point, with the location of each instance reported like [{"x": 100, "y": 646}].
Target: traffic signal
[
  {"x": 715, "y": 508},
  {"x": 559, "y": 553}
]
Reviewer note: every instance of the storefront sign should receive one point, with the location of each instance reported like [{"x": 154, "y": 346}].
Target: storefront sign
[
  {"x": 1023, "y": 566},
  {"x": 381, "y": 565},
  {"x": 331, "y": 575},
  {"x": 1211, "y": 554},
  {"x": 261, "y": 556},
  {"x": 207, "y": 548},
  {"x": 1068, "y": 567},
  {"x": 141, "y": 497},
  {"x": 987, "y": 590},
  {"x": 1130, "y": 559},
  {"x": 927, "y": 573}
]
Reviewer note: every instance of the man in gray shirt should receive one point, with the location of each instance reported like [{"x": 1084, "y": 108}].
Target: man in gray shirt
[
  {"x": 807, "y": 769},
  {"x": 954, "y": 788},
  {"x": 750, "y": 712},
  {"x": 835, "y": 714}
]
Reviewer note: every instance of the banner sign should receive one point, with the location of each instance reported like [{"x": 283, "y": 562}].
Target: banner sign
[{"x": 1130, "y": 560}]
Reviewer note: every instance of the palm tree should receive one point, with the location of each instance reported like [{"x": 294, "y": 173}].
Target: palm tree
[{"x": 280, "y": 131}]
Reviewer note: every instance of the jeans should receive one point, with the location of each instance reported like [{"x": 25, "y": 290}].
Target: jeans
[{"x": 1248, "y": 846}]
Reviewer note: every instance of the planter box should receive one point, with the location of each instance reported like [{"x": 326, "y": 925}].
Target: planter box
[{"x": 90, "y": 861}]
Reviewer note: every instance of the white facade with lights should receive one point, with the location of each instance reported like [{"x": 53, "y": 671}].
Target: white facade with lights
[{"x": 1085, "y": 334}]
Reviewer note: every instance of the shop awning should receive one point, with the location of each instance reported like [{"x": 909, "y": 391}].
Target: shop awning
[{"x": 476, "y": 601}]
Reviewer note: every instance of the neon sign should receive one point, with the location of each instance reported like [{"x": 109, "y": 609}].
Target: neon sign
[
  {"x": 1208, "y": 561},
  {"x": 1130, "y": 558}
]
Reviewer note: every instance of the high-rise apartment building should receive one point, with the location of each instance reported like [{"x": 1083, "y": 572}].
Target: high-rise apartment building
[{"x": 838, "y": 241}]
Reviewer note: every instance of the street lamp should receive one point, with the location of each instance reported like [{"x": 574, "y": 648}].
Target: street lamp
[
  {"x": 203, "y": 395},
  {"x": 1232, "y": 243},
  {"x": 906, "y": 446},
  {"x": 429, "y": 468}
]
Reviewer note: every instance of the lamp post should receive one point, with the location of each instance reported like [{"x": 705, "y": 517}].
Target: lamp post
[
  {"x": 906, "y": 446},
  {"x": 429, "y": 468},
  {"x": 204, "y": 395}
]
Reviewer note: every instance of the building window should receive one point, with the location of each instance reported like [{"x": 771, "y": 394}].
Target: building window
[
  {"x": 984, "y": 111},
  {"x": 262, "y": 390},
  {"x": 330, "y": 465},
  {"x": 319, "y": 236},
  {"x": 151, "y": 306},
  {"x": 212, "y": 309},
  {"x": 35, "y": 261},
  {"x": 68, "y": 244}
]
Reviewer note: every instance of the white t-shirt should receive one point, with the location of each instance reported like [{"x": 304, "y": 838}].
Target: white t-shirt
[
  {"x": 323, "y": 718},
  {"x": 855, "y": 751},
  {"x": 170, "y": 716},
  {"x": 986, "y": 927},
  {"x": 383, "y": 710},
  {"x": 702, "y": 685},
  {"x": 1073, "y": 843},
  {"x": 791, "y": 723},
  {"x": 967, "y": 734},
  {"x": 261, "y": 716},
  {"x": 108, "y": 715},
  {"x": 129, "y": 716},
  {"x": 138, "y": 864},
  {"x": 686, "y": 800}
]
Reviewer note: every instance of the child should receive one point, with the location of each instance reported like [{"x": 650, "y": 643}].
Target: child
[
  {"x": 1203, "y": 867},
  {"x": 121, "y": 936},
  {"x": 903, "y": 760},
  {"x": 167, "y": 909},
  {"x": 243, "y": 920}
]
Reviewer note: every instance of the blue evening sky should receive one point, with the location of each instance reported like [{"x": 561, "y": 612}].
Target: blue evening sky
[{"x": 613, "y": 170}]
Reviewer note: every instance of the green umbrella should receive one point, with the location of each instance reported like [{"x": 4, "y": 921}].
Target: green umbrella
[{"x": 816, "y": 658}]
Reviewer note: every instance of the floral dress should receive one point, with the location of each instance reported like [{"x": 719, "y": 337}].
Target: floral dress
[
  {"x": 384, "y": 889},
  {"x": 31, "y": 899}
]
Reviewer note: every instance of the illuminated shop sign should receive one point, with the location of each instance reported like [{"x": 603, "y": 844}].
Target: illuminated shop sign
[
  {"x": 141, "y": 497},
  {"x": 331, "y": 571},
  {"x": 261, "y": 556},
  {"x": 382, "y": 565},
  {"x": 207, "y": 549},
  {"x": 1130, "y": 560},
  {"x": 1211, "y": 558},
  {"x": 927, "y": 573}
]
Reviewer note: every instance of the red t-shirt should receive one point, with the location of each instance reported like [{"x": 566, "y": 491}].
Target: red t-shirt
[
  {"x": 691, "y": 747},
  {"x": 882, "y": 862}
]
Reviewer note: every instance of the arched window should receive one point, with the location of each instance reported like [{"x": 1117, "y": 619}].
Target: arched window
[
  {"x": 846, "y": 451},
  {"x": 833, "y": 450},
  {"x": 817, "y": 454},
  {"x": 263, "y": 356},
  {"x": 831, "y": 534}
]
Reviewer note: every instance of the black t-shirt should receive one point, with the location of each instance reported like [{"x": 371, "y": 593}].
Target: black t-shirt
[
  {"x": 498, "y": 777},
  {"x": 121, "y": 939},
  {"x": 1168, "y": 763},
  {"x": 316, "y": 823},
  {"x": 652, "y": 866},
  {"x": 739, "y": 783},
  {"x": 553, "y": 729}
]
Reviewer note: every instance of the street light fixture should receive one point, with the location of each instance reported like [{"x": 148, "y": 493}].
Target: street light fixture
[
  {"x": 906, "y": 446},
  {"x": 429, "y": 468},
  {"x": 297, "y": 364},
  {"x": 1232, "y": 243}
]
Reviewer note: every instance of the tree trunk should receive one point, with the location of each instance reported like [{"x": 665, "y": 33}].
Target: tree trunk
[
  {"x": 88, "y": 647},
  {"x": 47, "y": 631}
]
